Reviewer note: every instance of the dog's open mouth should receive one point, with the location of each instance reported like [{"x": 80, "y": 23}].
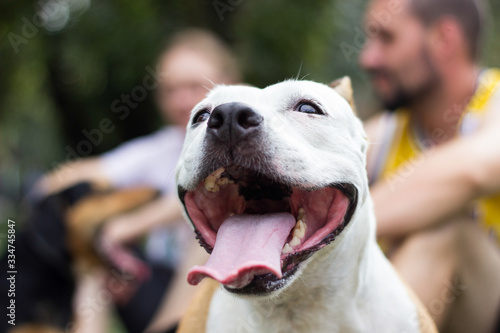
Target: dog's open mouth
[{"x": 259, "y": 230}]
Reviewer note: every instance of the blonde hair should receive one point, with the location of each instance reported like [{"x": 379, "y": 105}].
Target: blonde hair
[{"x": 208, "y": 45}]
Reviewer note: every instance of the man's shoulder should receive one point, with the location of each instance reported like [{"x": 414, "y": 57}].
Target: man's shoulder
[
  {"x": 164, "y": 135},
  {"x": 162, "y": 139},
  {"x": 374, "y": 125},
  {"x": 162, "y": 143},
  {"x": 482, "y": 105}
]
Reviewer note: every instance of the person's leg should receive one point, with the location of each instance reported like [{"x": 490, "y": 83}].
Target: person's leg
[
  {"x": 180, "y": 293},
  {"x": 478, "y": 307},
  {"x": 427, "y": 262},
  {"x": 138, "y": 311},
  {"x": 91, "y": 304},
  {"x": 455, "y": 271}
]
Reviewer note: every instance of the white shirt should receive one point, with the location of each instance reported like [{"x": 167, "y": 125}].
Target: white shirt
[
  {"x": 146, "y": 161},
  {"x": 150, "y": 161}
]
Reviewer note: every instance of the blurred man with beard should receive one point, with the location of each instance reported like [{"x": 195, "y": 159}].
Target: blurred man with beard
[{"x": 434, "y": 162}]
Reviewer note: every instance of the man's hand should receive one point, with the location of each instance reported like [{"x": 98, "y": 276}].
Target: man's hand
[
  {"x": 128, "y": 227},
  {"x": 122, "y": 229}
]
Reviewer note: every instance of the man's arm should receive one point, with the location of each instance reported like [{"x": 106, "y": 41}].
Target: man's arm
[
  {"x": 68, "y": 174},
  {"x": 124, "y": 227},
  {"x": 448, "y": 178},
  {"x": 129, "y": 226}
]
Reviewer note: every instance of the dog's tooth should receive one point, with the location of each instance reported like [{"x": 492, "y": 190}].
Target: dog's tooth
[
  {"x": 217, "y": 173},
  {"x": 301, "y": 214},
  {"x": 287, "y": 249},
  {"x": 295, "y": 241},
  {"x": 300, "y": 229},
  {"x": 210, "y": 184},
  {"x": 224, "y": 181},
  {"x": 212, "y": 181}
]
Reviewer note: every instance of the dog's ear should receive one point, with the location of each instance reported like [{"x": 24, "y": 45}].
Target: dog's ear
[{"x": 343, "y": 87}]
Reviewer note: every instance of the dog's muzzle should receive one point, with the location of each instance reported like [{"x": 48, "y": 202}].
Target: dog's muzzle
[{"x": 231, "y": 123}]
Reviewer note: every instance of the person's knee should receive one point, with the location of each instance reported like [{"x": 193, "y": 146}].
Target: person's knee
[
  {"x": 428, "y": 262},
  {"x": 437, "y": 244}
]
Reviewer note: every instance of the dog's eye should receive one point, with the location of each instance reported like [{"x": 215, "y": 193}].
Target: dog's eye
[
  {"x": 308, "y": 107},
  {"x": 201, "y": 116}
]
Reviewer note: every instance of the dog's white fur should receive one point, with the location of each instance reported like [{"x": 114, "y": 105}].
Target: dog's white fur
[{"x": 348, "y": 286}]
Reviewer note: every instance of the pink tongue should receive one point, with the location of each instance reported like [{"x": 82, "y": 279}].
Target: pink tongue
[{"x": 246, "y": 245}]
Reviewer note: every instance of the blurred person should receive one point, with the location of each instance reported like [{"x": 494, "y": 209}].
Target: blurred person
[
  {"x": 434, "y": 162},
  {"x": 190, "y": 65}
]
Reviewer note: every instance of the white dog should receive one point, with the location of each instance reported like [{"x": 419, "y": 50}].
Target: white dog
[{"x": 274, "y": 183}]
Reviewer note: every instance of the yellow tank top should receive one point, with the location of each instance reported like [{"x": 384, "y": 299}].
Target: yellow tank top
[{"x": 403, "y": 149}]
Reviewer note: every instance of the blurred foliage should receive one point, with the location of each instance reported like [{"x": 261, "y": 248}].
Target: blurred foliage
[{"x": 60, "y": 76}]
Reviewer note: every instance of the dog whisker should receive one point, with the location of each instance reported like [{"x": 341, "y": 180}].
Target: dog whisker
[
  {"x": 212, "y": 82},
  {"x": 300, "y": 69}
]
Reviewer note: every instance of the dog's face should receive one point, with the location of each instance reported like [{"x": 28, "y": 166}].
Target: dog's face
[{"x": 268, "y": 177}]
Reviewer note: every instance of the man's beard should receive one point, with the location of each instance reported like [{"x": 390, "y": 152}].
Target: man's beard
[
  {"x": 400, "y": 99},
  {"x": 403, "y": 97}
]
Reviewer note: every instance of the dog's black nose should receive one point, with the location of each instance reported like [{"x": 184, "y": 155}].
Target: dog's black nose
[{"x": 233, "y": 121}]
